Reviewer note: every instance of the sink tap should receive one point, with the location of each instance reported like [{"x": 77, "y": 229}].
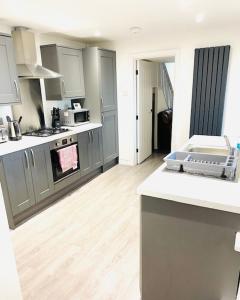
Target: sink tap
[{"x": 230, "y": 148}]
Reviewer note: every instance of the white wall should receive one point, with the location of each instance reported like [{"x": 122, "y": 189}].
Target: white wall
[
  {"x": 171, "y": 71},
  {"x": 183, "y": 46}
]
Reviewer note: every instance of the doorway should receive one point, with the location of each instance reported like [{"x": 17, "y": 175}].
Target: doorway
[{"x": 155, "y": 79}]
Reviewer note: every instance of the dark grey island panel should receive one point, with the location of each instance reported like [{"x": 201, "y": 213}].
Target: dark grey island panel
[{"x": 187, "y": 252}]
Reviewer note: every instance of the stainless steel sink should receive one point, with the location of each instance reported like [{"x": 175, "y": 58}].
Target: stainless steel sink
[{"x": 207, "y": 150}]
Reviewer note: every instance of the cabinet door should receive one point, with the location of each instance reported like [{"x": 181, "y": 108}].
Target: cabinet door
[
  {"x": 110, "y": 135},
  {"x": 97, "y": 152},
  {"x": 40, "y": 161},
  {"x": 107, "y": 60},
  {"x": 71, "y": 67},
  {"x": 9, "y": 88},
  {"x": 18, "y": 177},
  {"x": 85, "y": 152}
]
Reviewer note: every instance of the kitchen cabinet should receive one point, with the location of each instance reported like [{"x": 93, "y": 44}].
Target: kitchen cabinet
[
  {"x": 28, "y": 176},
  {"x": 90, "y": 150},
  {"x": 68, "y": 62},
  {"x": 197, "y": 244},
  {"x": 85, "y": 157},
  {"x": 110, "y": 138},
  {"x": 41, "y": 171},
  {"x": 9, "y": 85},
  {"x": 18, "y": 177},
  {"x": 107, "y": 61},
  {"x": 99, "y": 67}
]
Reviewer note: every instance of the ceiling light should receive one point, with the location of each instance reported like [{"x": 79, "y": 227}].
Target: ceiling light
[
  {"x": 135, "y": 29},
  {"x": 97, "y": 33},
  {"x": 199, "y": 18}
]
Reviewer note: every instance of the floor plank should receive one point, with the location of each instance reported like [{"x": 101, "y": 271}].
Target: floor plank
[{"x": 86, "y": 246}]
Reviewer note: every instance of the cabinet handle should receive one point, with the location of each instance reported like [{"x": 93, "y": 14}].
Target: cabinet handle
[
  {"x": 102, "y": 101},
  {"x": 26, "y": 157},
  {"x": 16, "y": 88},
  {"x": 63, "y": 87},
  {"x": 89, "y": 137},
  {"x": 33, "y": 157},
  {"x": 92, "y": 136},
  {"x": 102, "y": 118}
]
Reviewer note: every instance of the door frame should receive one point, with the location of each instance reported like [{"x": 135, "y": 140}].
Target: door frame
[{"x": 151, "y": 55}]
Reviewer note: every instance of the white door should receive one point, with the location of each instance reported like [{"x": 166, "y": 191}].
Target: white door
[{"x": 144, "y": 109}]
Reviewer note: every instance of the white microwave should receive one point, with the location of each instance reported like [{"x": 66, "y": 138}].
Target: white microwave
[{"x": 74, "y": 117}]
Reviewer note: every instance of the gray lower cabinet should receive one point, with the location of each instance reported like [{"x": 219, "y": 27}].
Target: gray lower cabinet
[
  {"x": 90, "y": 150},
  {"x": 41, "y": 171},
  {"x": 110, "y": 135},
  {"x": 19, "y": 183},
  {"x": 9, "y": 86},
  {"x": 67, "y": 62},
  {"x": 85, "y": 157},
  {"x": 28, "y": 177},
  {"x": 187, "y": 252}
]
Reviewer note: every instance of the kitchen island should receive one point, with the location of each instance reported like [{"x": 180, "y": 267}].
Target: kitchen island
[{"x": 188, "y": 233}]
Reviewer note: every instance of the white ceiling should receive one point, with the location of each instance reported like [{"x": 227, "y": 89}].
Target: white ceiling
[{"x": 111, "y": 19}]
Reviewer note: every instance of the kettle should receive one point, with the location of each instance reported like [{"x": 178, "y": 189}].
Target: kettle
[{"x": 14, "y": 131}]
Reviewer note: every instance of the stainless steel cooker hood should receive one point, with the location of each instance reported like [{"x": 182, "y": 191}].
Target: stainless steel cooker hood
[{"x": 26, "y": 56}]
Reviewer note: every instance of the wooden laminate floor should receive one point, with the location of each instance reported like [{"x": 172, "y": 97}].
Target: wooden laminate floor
[{"x": 86, "y": 246}]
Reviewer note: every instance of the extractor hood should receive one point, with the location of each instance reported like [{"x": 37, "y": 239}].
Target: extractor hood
[{"x": 26, "y": 56}]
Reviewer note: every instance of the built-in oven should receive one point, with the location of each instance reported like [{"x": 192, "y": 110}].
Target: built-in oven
[{"x": 64, "y": 157}]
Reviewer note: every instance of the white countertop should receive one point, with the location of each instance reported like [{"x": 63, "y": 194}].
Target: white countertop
[
  {"x": 31, "y": 141},
  {"x": 193, "y": 189}
]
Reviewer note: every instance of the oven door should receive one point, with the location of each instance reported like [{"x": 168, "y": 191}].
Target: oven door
[
  {"x": 58, "y": 173},
  {"x": 81, "y": 116}
]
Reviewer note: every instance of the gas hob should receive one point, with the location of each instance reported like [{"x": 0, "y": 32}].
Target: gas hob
[{"x": 44, "y": 132}]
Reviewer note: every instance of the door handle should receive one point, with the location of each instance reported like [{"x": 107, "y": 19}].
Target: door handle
[
  {"x": 26, "y": 157},
  {"x": 33, "y": 157},
  {"x": 16, "y": 88}
]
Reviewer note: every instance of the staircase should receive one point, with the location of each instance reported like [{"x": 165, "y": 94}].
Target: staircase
[{"x": 166, "y": 86}]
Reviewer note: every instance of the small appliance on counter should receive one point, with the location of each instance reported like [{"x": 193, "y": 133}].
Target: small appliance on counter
[
  {"x": 74, "y": 116},
  {"x": 14, "y": 131},
  {"x": 56, "y": 117},
  {"x": 3, "y": 134}
]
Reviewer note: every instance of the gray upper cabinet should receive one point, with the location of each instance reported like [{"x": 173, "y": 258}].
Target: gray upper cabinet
[
  {"x": 110, "y": 138},
  {"x": 17, "y": 171},
  {"x": 42, "y": 177},
  {"x": 90, "y": 150},
  {"x": 68, "y": 62},
  {"x": 9, "y": 85},
  {"x": 107, "y": 61},
  {"x": 28, "y": 177}
]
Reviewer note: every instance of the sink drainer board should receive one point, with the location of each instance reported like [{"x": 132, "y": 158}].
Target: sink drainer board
[{"x": 221, "y": 166}]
